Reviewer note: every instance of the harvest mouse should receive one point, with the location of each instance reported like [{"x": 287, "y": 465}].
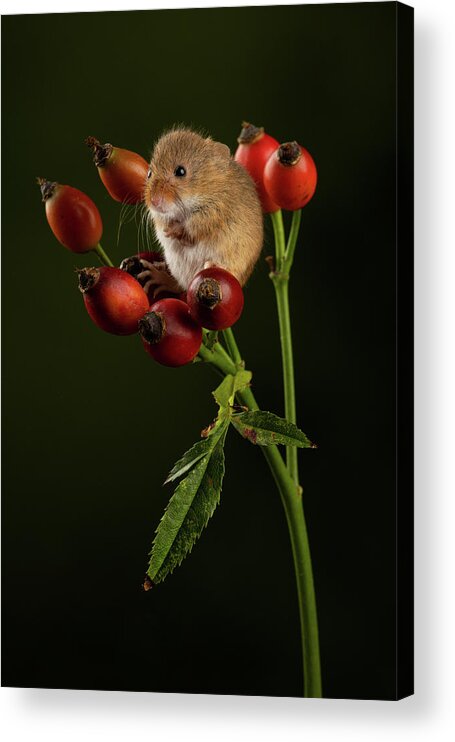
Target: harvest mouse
[{"x": 204, "y": 208}]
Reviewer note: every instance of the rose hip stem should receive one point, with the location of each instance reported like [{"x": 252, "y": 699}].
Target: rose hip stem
[
  {"x": 284, "y": 256},
  {"x": 286, "y": 477},
  {"x": 291, "y": 499},
  {"x": 103, "y": 256},
  {"x": 232, "y": 346}
]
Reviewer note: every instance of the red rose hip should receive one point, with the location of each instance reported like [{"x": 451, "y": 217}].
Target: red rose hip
[
  {"x": 215, "y": 298},
  {"x": 123, "y": 172},
  {"x": 169, "y": 333},
  {"x": 114, "y": 300},
  {"x": 290, "y": 176},
  {"x": 72, "y": 216},
  {"x": 255, "y": 148}
]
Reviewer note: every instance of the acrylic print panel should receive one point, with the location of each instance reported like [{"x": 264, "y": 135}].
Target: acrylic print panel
[{"x": 93, "y": 425}]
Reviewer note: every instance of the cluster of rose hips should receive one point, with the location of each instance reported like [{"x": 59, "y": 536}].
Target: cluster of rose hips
[
  {"x": 285, "y": 174},
  {"x": 120, "y": 300},
  {"x": 170, "y": 325}
]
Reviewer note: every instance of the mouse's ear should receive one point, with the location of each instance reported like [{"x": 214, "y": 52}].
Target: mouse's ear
[{"x": 222, "y": 149}]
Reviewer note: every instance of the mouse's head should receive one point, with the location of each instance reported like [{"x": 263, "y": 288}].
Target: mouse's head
[{"x": 186, "y": 170}]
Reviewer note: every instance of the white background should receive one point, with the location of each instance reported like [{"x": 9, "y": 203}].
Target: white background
[{"x": 68, "y": 716}]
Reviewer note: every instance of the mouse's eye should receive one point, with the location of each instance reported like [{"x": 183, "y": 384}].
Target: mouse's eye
[
  {"x": 180, "y": 171},
  {"x": 149, "y": 174}
]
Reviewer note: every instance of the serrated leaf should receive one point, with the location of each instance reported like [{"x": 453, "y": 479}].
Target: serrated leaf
[
  {"x": 189, "y": 459},
  {"x": 225, "y": 393},
  {"x": 189, "y": 509},
  {"x": 266, "y": 429}
]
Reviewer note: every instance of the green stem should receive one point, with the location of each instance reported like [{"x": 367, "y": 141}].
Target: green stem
[
  {"x": 293, "y": 507},
  {"x": 280, "y": 278},
  {"x": 104, "y": 258},
  {"x": 218, "y": 358},
  {"x": 278, "y": 229},
  {"x": 292, "y": 241},
  {"x": 232, "y": 345},
  {"x": 281, "y": 284}
]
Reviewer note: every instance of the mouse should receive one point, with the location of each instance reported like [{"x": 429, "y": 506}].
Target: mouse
[{"x": 204, "y": 208}]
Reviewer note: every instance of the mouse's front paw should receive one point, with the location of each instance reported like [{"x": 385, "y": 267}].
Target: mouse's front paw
[
  {"x": 176, "y": 231},
  {"x": 158, "y": 280}
]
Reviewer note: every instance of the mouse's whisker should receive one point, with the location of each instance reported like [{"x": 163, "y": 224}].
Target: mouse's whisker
[
  {"x": 120, "y": 224},
  {"x": 145, "y": 230},
  {"x": 137, "y": 213},
  {"x": 181, "y": 206},
  {"x": 142, "y": 233},
  {"x": 146, "y": 223},
  {"x": 145, "y": 226},
  {"x": 150, "y": 228},
  {"x": 124, "y": 217}
]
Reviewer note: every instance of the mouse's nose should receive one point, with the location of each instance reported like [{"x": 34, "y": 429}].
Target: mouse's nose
[{"x": 157, "y": 202}]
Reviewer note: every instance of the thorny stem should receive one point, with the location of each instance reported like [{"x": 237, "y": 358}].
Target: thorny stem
[
  {"x": 292, "y": 503},
  {"x": 104, "y": 258}
]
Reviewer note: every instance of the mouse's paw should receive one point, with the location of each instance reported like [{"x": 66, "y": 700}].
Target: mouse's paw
[
  {"x": 210, "y": 264},
  {"x": 176, "y": 231},
  {"x": 158, "y": 278},
  {"x": 161, "y": 266}
]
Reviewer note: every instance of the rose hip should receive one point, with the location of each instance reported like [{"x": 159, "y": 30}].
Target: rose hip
[
  {"x": 115, "y": 301},
  {"x": 169, "y": 333},
  {"x": 215, "y": 298},
  {"x": 72, "y": 216},
  {"x": 290, "y": 176},
  {"x": 123, "y": 172},
  {"x": 255, "y": 148}
]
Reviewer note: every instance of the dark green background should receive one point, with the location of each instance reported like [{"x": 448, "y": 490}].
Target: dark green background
[{"x": 92, "y": 426}]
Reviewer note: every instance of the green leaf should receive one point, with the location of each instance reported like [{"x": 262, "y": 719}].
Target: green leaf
[
  {"x": 229, "y": 387},
  {"x": 189, "y": 459},
  {"x": 190, "y": 508},
  {"x": 266, "y": 429}
]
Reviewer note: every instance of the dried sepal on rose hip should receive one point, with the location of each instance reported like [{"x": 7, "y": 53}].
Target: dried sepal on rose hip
[
  {"x": 255, "y": 148},
  {"x": 114, "y": 300},
  {"x": 290, "y": 176},
  {"x": 169, "y": 334},
  {"x": 215, "y": 298},
  {"x": 72, "y": 216},
  {"x": 123, "y": 172}
]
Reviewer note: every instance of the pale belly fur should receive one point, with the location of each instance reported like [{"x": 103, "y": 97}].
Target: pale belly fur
[{"x": 185, "y": 262}]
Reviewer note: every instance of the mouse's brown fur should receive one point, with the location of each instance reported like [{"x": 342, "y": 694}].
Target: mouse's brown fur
[{"x": 210, "y": 215}]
